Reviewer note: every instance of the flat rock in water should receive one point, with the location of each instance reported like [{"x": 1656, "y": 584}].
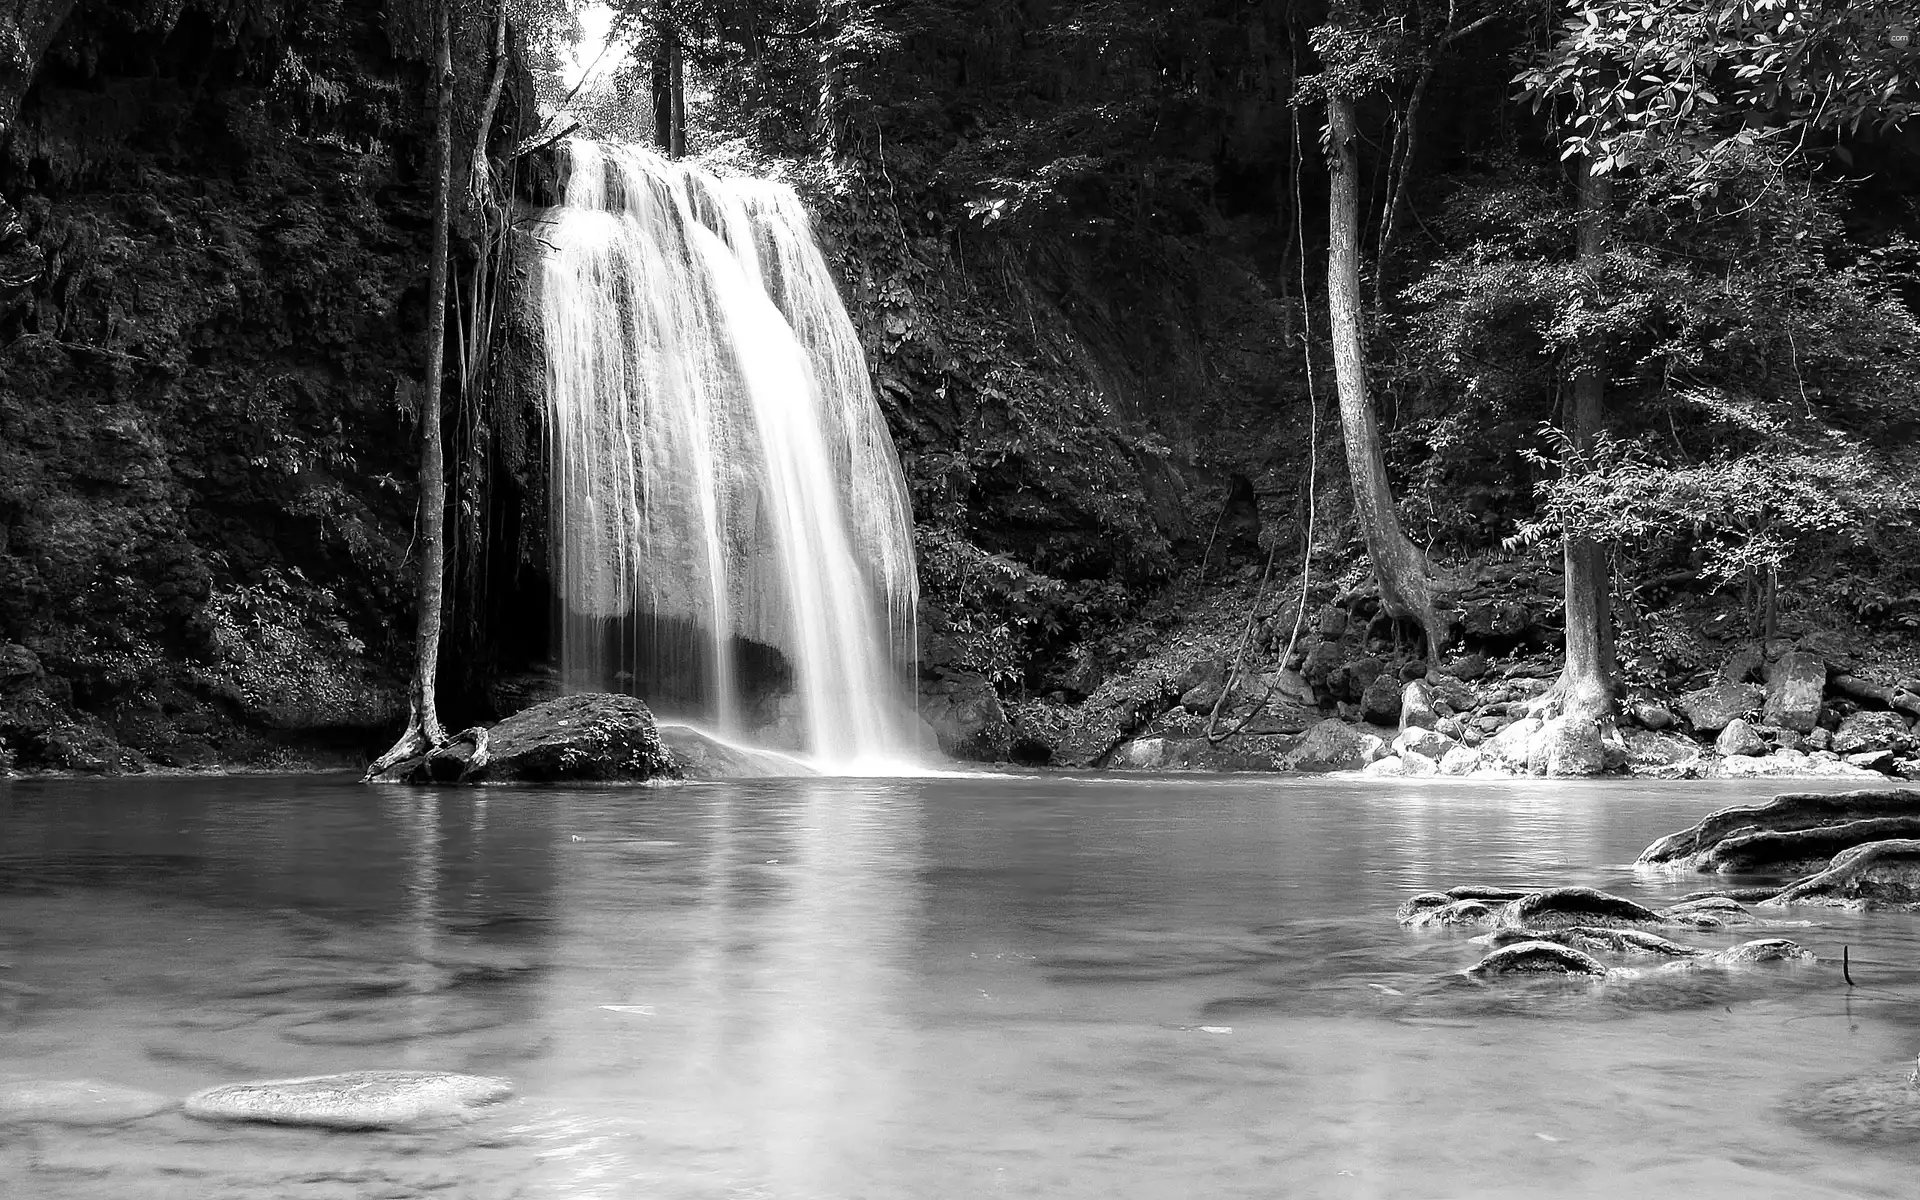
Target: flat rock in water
[
  {"x": 1563, "y": 907},
  {"x": 354, "y": 1100},
  {"x": 1784, "y": 813},
  {"x": 1537, "y": 958},
  {"x": 1764, "y": 950},
  {"x": 1882, "y": 875},
  {"x": 1748, "y": 894},
  {"x": 76, "y": 1102},
  {"x": 1884, "y": 1106},
  {"x": 1799, "y": 851}
]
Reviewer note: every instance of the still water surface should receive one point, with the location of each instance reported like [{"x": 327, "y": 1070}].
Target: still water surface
[{"x": 909, "y": 990}]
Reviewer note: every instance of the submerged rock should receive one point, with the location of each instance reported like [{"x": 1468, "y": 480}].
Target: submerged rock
[
  {"x": 1882, "y": 1106},
  {"x": 1564, "y": 907},
  {"x": 355, "y": 1100},
  {"x": 76, "y": 1102},
  {"x": 1784, "y": 813},
  {"x": 1882, "y": 875},
  {"x": 1763, "y": 950},
  {"x": 1708, "y": 912},
  {"x": 1538, "y": 958}
]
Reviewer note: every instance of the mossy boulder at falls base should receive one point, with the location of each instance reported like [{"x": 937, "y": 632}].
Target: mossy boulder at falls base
[{"x": 595, "y": 737}]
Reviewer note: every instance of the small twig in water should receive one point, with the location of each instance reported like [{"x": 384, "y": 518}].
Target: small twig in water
[{"x": 1846, "y": 967}]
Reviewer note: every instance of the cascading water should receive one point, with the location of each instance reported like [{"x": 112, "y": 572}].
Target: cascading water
[{"x": 730, "y": 521}]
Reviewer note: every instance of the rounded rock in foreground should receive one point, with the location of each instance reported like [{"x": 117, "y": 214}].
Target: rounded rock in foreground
[
  {"x": 1537, "y": 958},
  {"x": 1562, "y": 907},
  {"x": 1765, "y": 950},
  {"x": 76, "y": 1102},
  {"x": 354, "y": 1100}
]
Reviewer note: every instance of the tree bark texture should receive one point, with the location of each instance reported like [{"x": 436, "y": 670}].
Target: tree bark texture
[
  {"x": 669, "y": 92},
  {"x": 1589, "y": 680},
  {"x": 423, "y": 732},
  {"x": 1398, "y": 565}
]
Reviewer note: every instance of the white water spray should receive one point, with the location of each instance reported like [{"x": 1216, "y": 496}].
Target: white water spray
[{"x": 723, "y": 482}]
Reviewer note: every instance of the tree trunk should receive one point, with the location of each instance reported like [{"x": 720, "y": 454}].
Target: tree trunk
[
  {"x": 423, "y": 732},
  {"x": 669, "y": 92},
  {"x": 1589, "y": 681},
  {"x": 1398, "y": 564}
]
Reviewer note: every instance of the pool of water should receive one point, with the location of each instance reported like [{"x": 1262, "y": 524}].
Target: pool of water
[{"x": 915, "y": 989}]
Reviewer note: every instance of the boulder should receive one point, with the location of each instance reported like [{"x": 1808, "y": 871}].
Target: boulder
[
  {"x": 1650, "y": 714},
  {"x": 1567, "y": 746},
  {"x": 1468, "y": 667},
  {"x": 1740, "y": 738},
  {"x": 1538, "y": 958},
  {"x": 76, "y": 1102},
  {"x": 1460, "y": 760},
  {"x": 1743, "y": 665},
  {"x": 1422, "y": 913},
  {"x": 1202, "y": 685},
  {"x": 1868, "y": 730},
  {"x": 964, "y": 710},
  {"x": 1508, "y": 749},
  {"x": 1710, "y": 709},
  {"x": 1140, "y": 754},
  {"x": 702, "y": 755},
  {"x": 1795, "y": 688},
  {"x": 596, "y": 736},
  {"x": 1428, "y": 743},
  {"x": 19, "y": 666},
  {"x": 1708, "y": 912},
  {"x": 1380, "y": 702},
  {"x": 1877, "y": 875},
  {"x": 1416, "y": 707},
  {"x": 1661, "y": 754},
  {"x": 1562, "y": 907},
  {"x": 1880, "y": 762},
  {"x": 1334, "y": 745},
  {"x": 1403, "y": 765},
  {"x": 1786, "y": 813},
  {"x": 355, "y": 1100}
]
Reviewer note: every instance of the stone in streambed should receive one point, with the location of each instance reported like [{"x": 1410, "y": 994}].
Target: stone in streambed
[
  {"x": 1784, "y": 813},
  {"x": 1882, "y": 1106},
  {"x": 1708, "y": 912},
  {"x": 75, "y": 1102},
  {"x": 1763, "y": 950},
  {"x": 1563, "y": 907},
  {"x": 354, "y": 1100},
  {"x": 1537, "y": 958},
  {"x": 1800, "y": 851},
  {"x": 1878, "y": 875},
  {"x": 1432, "y": 909},
  {"x": 1593, "y": 939}
]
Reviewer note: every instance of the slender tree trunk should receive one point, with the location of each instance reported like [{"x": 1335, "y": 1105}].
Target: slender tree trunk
[
  {"x": 1589, "y": 681},
  {"x": 423, "y": 732},
  {"x": 1398, "y": 564},
  {"x": 669, "y": 92}
]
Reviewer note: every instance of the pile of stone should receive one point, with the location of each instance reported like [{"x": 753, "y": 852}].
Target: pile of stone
[{"x": 1566, "y": 931}]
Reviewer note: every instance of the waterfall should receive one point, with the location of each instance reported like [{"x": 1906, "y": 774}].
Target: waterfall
[{"x": 732, "y": 539}]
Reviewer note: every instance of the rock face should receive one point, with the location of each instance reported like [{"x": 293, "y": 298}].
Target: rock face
[
  {"x": 1334, "y": 745},
  {"x": 1538, "y": 958},
  {"x": 965, "y": 713},
  {"x": 356, "y": 1100},
  {"x": 1794, "y": 691},
  {"x": 1788, "y": 813},
  {"x": 1711, "y": 709},
  {"x": 1863, "y": 731},
  {"x": 1881, "y": 874},
  {"x": 593, "y": 737}
]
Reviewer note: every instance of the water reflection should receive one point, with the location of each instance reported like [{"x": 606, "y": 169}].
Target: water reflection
[{"x": 930, "y": 988}]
